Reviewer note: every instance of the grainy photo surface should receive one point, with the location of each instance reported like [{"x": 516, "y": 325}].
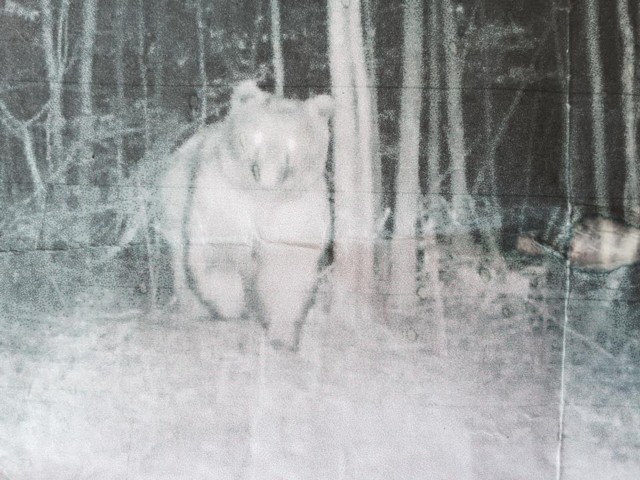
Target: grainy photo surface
[{"x": 323, "y": 240}]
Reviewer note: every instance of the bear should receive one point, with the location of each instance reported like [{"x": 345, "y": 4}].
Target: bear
[
  {"x": 594, "y": 243},
  {"x": 604, "y": 244},
  {"x": 244, "y": 207}
]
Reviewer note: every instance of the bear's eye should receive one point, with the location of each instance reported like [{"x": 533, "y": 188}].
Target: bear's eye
[{"x": 255, "y": 170}]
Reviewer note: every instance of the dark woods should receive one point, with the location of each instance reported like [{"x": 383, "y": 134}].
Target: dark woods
[{"x": 93, "y": 93}]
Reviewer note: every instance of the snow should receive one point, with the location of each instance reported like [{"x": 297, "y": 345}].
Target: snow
[{"x": 99, "y": 392}]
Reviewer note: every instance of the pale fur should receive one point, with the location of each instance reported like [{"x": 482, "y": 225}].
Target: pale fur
[
  {"x": 604, "y": 244},
  {"x": 247, "y": 222},
  {"x": 597, "y": 244}
]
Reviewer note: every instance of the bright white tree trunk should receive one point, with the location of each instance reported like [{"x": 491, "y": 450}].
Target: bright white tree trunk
[
  {"x": 455, "y": 118},
  {"x": 407, "y": 186},
  {"x": 365, "y": 117},
  {"x": 433, "y": 141},
  {"x": 354, "y": 219},
  {"x": 370, "y": 56},
  {"x": 431, "y": 260}
]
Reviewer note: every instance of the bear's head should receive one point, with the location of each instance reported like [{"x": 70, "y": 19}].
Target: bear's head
[{"x": 278, "y": 143}]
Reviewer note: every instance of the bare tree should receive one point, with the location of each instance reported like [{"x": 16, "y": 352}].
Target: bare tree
[
  {"x": 407, "y": 186},
  {"x": 119, "y": 34},
  {"x": 143, "y": 73},
  {"x": 257, "y": 33},
  {"x": 56, "y": 53},
  {"x": 435, "y": 98},
  {"x": 149, "y": 243},
  {"x": 354, "y": 196},
  {"x": 201, "y": 62},
  {"x": 160, "y": 25},
  {"x": 560, "y": 39},
  {"x": 276, "y": 43},
  {"x": 491, "y": 150},
  {"x": 368, "y": 12},
  {"x": 86, "y": 81},
  {"x": 431, "y": 257},
  {"x": 597, "y": 102},
  {"x": 22, "y": 130},
  {"x": 631, "y": 190},
  {"x": 366, "y": 114},
  {"x": 455, "y": 118},
  {"x": 368, "y": 8},
  {"x": 14, "y": 126}
]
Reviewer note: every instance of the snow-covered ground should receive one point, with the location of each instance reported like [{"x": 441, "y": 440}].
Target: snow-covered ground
[{"x": 101, "y": 392}]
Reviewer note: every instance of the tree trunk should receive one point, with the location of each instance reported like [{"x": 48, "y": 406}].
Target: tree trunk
[
  {"x": 160, "y": 10},
  {"x": 143, "y": 74},
  {"x": 368, "y": 7},
  {"x": 431, "y": 256},
  {"x": 365, "y": 116},
  {"x": 491, "y": 152},
  {"x": 86, "y": 86},
  {"x": 354, "y": 221},
  {"x": 597, "y": 104},
  {"x": 149, "y": 244},
  {"x": 435, "y": 88},
  {"x": 119, "y": 68},
  {"x": 257, "y": 34},
  {"x": 407, "y": 187},
  {"x": 631, "y": 189},
  {"x": 381, "y": 257},
  {"x": 276, "y": 43},
  {"x": 561, "y": 32},
  {"x": 55, "y": 73},
  {"x": 201, "y": 63},
  {"x": 455, "y": 118}
]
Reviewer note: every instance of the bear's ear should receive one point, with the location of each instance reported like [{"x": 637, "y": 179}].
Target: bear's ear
[
  {"x": 247, "y": 92},
  {"x": 321, "y": 105}
]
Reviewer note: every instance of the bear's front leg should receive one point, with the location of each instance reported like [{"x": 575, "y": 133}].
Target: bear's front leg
[
  {"x": 184, "y": 296},
  {"x": 285, "y": 283},
  {"x": 216, "y": 273}
]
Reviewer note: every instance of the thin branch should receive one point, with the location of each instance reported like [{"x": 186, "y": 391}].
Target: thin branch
[
  {"x": 62, "y": 50},
  {"x": 30, "y": 156},
  {"x": 39, "y": 114},
  {"x": 9, "y": 120},
  {"x": 501, "y": 130},
  {"x": 21, "y": 130}
]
